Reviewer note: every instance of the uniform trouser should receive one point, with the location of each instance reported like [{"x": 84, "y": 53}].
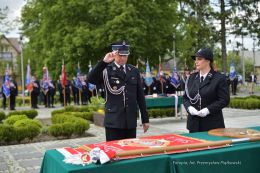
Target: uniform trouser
[
  {"x": 34, "y": 100},
  {"x": 117, "y": 134},
  {"x": 251, "y": 87},
  {"x": 4, "y": 101},
  {"x": 76, "y": 97},
  {"x": 12, "y": 102},
  {"x": 47, "y": 99},
  {"x": 51, "y": 99}
]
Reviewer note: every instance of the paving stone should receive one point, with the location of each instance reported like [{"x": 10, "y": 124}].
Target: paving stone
[
  {"x": 33, "y": 170},
  {"x": 22, "y": 149},
  {"x": 30, "y": 163},
  {"x": 31, "y": 155},
  {"x": 3, "y": 166}
]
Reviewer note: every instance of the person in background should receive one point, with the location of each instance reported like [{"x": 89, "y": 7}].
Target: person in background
[
  {"x": 36, "y": 89},
  {"x": 252, "y": 81},
  {"x": 13, "y": 93}
]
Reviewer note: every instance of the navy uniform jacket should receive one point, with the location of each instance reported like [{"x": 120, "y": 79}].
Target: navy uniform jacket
[
  {"x": 214, "y": 95},
  {"x": 116, "y": 115}
]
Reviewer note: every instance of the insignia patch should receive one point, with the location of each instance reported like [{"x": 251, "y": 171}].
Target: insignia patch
[{"x": 114, "y": 68}]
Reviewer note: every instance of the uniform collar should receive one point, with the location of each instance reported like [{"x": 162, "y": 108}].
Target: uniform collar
[{"x": 119, "y": 65}]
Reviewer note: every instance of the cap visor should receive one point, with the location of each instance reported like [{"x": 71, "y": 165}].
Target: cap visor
[{"x": 123, "y": 52}]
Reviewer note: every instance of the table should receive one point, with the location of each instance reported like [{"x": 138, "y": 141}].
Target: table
[
  {"x": 166, "y": 102},
  {"x": 163, "y": 102},
  {"x": 239, "y": 158}
]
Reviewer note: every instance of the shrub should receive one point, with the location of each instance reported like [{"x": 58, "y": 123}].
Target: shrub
[
  {"x": 2, "y": 115},
  {"x": 6, "y": 133},
  {"x": 27, "y": 128},
  {"x": 57, "y": 112},
  {"x": 29, "y": 113},
  {"x": 68, "y": 129},
  {"x": 12, "y": 119},
  {"x": 80, "y": 127},
  {"x": 55, "y": 130},
  {"x": 67, "y": 124}
]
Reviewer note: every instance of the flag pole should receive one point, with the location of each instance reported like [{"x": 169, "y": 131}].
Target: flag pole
[
  {"x": 64, "y": 87},
  {"x": 160, "y": 65},
  {"x": 78, "y": 88},
  {"x": 30, "y": 91}
]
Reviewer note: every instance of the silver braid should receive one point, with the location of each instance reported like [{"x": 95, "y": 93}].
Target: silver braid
[
  {"x": 196, "y": 98},
  {"x": 111, "y": 90}
]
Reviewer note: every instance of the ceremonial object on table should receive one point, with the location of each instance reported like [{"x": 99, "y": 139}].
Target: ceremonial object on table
[
  {"x": 235, "y": 132},
  {"x": 137, "y": 147}
]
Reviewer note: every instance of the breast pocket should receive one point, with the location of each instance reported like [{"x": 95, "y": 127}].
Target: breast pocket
[{"x": 133, "y": 80}]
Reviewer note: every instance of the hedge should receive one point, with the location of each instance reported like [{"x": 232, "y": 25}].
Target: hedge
[
  {"x": 2, "y": 115},
  {"x": 7, "y": 133},
  {"x": 66, "y": 124},
  {"x": 29, "y": 113},
  {"x": 12, "y": 119},
  {"x": 252, "y": 102},
  {"x": 26, "y": 128}
]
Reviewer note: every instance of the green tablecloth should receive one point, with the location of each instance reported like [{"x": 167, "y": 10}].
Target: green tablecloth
[
  {"x": 242, "y": 157},
  {"x": 162, "y": 102}
]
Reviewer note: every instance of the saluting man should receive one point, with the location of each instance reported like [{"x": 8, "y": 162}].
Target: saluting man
[
  {"x": 206, "y": 94},
  {"x": 123, "y": 92}
]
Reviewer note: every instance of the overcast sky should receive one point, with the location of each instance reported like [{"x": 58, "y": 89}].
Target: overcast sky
[{"x": 15, "y": 7}]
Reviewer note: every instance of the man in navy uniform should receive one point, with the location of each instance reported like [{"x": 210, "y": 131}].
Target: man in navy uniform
[{"x": 123, "y": 92}]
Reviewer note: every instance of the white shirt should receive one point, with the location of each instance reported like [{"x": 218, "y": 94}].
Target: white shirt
[
  {"x": 204, "y": 76},
  {"x": 120, "y": 65}
]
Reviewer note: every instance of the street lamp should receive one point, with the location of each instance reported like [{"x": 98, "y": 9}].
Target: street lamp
[{"x": 21, "y": 42}]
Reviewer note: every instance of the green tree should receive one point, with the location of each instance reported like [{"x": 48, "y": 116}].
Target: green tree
[
  {"x": 82, "y": 30},
  {"x": 240, "y": 16}
]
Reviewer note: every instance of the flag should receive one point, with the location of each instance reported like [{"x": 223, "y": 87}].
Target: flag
[
  {"x": 78, "y": 82},
  {"x": 28, "y": 82},
  {"x": 175, "y": 80},
  {"x": 63, "y": 76},
  {"x": 232, "y": 73},
  {"x": 148, "y": 76},
  {"x": 91, "y": 86},
  {"x": 6, "y": 86},
  {"x": 160, "y": 71},
  {"x": 45, "y": 79}
]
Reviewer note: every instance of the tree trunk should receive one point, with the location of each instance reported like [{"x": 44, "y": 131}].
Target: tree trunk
[{"x": 223, "y": 36}]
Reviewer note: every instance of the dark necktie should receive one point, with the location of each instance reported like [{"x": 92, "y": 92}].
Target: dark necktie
[
  {"x": 122, "y": 70},
  {"x": 201, "y": 79}
]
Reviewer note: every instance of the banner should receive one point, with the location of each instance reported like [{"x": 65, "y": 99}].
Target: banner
[
  {"x": 6, "y": 85},
  {"x": 232, "y": 72},
  {"x": 175, "y": 80},
  {"x": 91, "y": 86},
  {"x": 148, "y": 76},
  {"x": 78, "y": 82},
  {"x": 63, "y": 76},
  {"x": 28, "y": 81},
  {"x": 142, "y": 147},
  {"x": 45, "y": 80}
]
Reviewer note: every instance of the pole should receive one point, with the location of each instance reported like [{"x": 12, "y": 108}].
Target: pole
[
  {"x": 254, "y": 54},
  {"x": 21, "y": 39},
  {"x": 243, "y": 61},
  {"x": 173, "y": 48}
]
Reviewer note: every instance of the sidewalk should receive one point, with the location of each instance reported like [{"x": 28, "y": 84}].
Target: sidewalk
[{"x": 27, "y": 158}]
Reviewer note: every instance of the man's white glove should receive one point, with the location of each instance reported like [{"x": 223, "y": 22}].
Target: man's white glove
[
  {"x": 203, "y": 112},
  {"x": 193, "y": 111}
]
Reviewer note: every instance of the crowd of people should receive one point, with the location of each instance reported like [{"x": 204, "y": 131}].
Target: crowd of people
[{"x": 44, "y": 92}]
